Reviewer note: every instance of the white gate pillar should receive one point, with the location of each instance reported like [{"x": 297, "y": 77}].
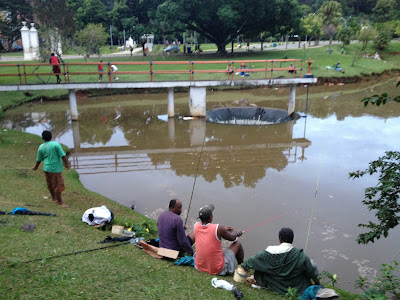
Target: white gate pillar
[
  {"x": 197, "y": 101},
  {"x": 26, "y": 42},
  {"x": 34, "y": 42}
]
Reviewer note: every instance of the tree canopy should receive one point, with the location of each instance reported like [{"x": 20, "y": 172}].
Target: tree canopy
[
  {"x": 221, "y": 21},
  {"x": 330, "y": 13},
  {"x": 15, "y": 12},
  {"x": 217, "y": 21}
]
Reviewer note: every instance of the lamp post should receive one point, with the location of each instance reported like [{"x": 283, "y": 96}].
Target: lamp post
[
  {"x": 124, "y": 40},
  {"x": 111, "y": 37}
]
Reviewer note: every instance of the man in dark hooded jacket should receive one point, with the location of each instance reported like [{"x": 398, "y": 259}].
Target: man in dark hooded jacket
[{"x": 282, "y": 266}]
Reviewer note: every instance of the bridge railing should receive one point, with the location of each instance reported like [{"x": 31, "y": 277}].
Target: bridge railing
[{"x": 32, "y": 73}]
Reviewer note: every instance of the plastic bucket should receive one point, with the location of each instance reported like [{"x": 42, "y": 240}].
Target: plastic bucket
[
  {"x": 240, "y": 275},
  {"x": 117, "y": 229}
]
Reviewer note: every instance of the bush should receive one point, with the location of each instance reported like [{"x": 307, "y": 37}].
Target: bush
[
  {"x": 385, "y": 286},
  {"x": 382, "y": 40}
]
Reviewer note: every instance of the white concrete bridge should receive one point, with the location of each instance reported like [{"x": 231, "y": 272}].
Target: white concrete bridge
[{"x": 197, "y": 90}]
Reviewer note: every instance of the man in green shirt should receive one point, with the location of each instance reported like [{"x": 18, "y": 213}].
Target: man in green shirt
[
  {"x": 282, "y": 266},
  {"x": 53, "y": 156}
]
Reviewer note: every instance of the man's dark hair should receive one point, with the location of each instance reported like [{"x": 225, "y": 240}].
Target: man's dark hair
[
  {"x": 172, "y": 203},
  {"x": 286, "y": 235},
  {"x": 205, "y": 218},
  {"x": 46, "y": 135}
]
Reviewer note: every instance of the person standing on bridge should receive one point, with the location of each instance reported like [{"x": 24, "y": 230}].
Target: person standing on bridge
[
  {"x": 100, "y": 69},
  {"x": 53, "y": 155},
  {"x": 113, "y": 70},
  {"x": 56, "y": 66}
]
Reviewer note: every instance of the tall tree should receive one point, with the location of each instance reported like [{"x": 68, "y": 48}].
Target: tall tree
[
  {"x": 57, "y": 26},
  {"x": 330, "y": 13},
  {"x": 91, "y": 11},
  {"x": 289, "y": 18},
  {"x": 15, "y": 11},
  {"x": 313, "y": 26},
  {"x": 221, "y": 21},
  {"x": 122, "y": 16},
  {"x": 55, "y": 14},
  {"x": 385, "y": 10},
  {"x": 366, "y": 34},
  {"x": 91, "y": 38}
]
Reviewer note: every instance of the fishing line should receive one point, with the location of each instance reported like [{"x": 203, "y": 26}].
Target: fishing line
[
  {"x": 394, "y": 257},
  {"x": 195, "y": 178},
  {"x": 77, "y": 252},
  {"x": 317, "y": 184},
  {"x": 38, "y": 75},
  {"x": 266, "y": 222}
]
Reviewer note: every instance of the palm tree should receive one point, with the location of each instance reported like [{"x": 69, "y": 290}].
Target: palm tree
[{"x": 330, "y": 13}]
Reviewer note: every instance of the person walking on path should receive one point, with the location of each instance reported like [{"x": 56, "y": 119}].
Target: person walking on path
[
  {"x": 210, "y": 257},
  {"x": 56, "y": 66},
  {"x": 53, "y": 155}
]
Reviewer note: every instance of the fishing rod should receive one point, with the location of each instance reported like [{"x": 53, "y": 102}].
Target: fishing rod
[
  {"x": 195, "y": 178},
  {"x": 74, "y": 253},
  {"x": 265, "y": 222}
]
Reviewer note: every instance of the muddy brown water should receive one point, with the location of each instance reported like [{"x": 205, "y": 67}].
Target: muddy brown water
[{"x": 125, "y": 148}]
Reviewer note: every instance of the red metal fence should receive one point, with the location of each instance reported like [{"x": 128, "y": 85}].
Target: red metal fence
[{"x": 231, "y": 69}]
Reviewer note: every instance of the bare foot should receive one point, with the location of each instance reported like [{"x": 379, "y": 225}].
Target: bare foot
[
  {"x": 54, "y": 200},
  {"x": 63, "y": 205}
]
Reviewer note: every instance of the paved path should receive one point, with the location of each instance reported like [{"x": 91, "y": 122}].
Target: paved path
[{"x": 138, "y": 51}]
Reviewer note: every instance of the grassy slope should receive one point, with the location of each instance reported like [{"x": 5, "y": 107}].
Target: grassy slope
[{"x": 123, "y": 272}]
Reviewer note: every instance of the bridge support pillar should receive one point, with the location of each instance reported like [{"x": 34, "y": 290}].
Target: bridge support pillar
[
  {"x": 197, "y": 101},
  {"x": 72, "y": 105},
  {"x": 171, "y": 106},
  {"x": 292, "y": 99},
  {"x": 171, "y": 129},
  {"x": 197, "y": 129},
  {"x": 75, "y": 135}
]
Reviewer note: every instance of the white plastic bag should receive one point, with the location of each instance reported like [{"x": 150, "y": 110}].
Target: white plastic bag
[{"x": 97, "y": 215}]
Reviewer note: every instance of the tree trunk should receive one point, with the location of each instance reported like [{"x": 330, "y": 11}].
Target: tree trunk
[
  {"x": 330, "y": 43},
  {"x": 221, "y": 48},
  {"x": 299, "y": 41},
  {"x": 262, "y": 45},
  {"x": 287, "y": 41},
  {"x": 232, "y": 46}
]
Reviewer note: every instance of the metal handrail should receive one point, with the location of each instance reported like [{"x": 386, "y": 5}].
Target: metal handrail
[{"x": 230, "y": 68}]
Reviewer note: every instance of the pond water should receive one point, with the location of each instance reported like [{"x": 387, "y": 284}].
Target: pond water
[{"x": 125, "y": 148}]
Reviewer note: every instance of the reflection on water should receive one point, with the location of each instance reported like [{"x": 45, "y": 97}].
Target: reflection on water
[{"x": 130, "y": 152}]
